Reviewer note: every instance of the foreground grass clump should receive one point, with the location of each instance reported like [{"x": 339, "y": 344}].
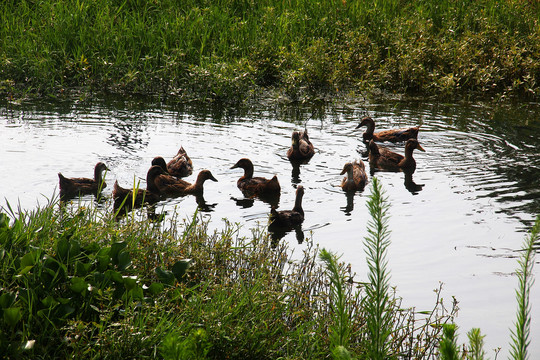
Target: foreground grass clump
[
  {"x": 76, "y": 283},
  {"x": 231, "y": 50}
]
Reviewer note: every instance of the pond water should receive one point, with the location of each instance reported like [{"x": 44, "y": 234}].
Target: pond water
[{"x": 464, "y": 227}]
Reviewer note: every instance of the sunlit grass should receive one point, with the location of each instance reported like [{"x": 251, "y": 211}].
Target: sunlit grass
[{"x": 229, "y": 49}]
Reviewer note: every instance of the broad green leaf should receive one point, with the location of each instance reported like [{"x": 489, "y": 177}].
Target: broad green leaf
[
  {"x": 114, "y": 276},
  {"x": 49, "y": 302},
  {"x": 6, "y": 300},
  {"x": 165, "y": 276},
  {"x": 115, "y": 249},
  {"x": 129, "y": 283},
  {"x": 12, "y": 315},
  {"x": 155, "y": 288},
  {"x": 62, "y": 249},
  {"x": 180, "y": 267},
  {"x": 29, "y": 259},
  {"x": 78, "y": 285},
  {"x": 124, "y": 260}
]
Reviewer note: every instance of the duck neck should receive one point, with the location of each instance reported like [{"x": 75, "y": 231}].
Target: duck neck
[
  {"x": 350, "y": 175},
  {"x": 298, "y": 204},
  {"x": 248, "y": 172},
  {"x": 197, "y": 186},
  {"x": 408, "y": 161},
  {"x": 98, "y": 175},
  {"x": 370, "y": 128}
]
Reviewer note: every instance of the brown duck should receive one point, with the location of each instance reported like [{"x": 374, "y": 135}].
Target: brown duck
[
  {"x": 382, "y": 158},
  {"x": 170, "y": 186},
  {"x": 393, "y": 135},
  {"x": 356, "y": 178},
  {"x": 150, "y": 195},
  {"x": 75, "y": 186},
  {"x": 180, "y": 166},
  {"x": 289, "y": 218},
  {"x": 301, "y": 148},
  {"x": 255, "y": 186}
]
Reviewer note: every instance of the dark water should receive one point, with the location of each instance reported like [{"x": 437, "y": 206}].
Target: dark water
[{"x": 459, "y": 220}]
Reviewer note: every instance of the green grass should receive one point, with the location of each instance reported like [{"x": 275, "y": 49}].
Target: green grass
[
  {"x": 234, "y": 50},
  {"x": 75, "y": 282}
]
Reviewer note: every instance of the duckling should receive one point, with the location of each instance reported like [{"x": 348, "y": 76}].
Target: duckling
[
  {"x": 255, "y": 186},
  {"x": 356, "y": 178},
  {"x": 393, "y": 135},
  {"x": 150, "y": 195},
  {"x": 75, "y": 186},
  {"x": 382, "y": 158},
  {"x": 180, "y": 166},
  {"x": 301, "y": 148},
  {"x": 171, "y": 186},
  {"x": 289, "y": 218}
]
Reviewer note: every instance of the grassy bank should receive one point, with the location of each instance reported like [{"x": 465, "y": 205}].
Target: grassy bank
[
  {"x": 234, "y": 50},
  {"x": 75, "y": 283}
]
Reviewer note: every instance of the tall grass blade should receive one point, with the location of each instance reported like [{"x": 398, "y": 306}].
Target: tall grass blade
[
  {"x": 521, "y": 332},
  {"x": 377, "y": 300}
]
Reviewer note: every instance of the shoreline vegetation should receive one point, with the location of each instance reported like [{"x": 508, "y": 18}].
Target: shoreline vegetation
[
  {"x": 82, "y": 281},
  {"x": 234, "y": 51}
]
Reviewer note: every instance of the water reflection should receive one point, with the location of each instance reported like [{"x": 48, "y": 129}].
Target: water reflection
[
  {"x": 295, "y": 173},
  {"x": 409, "y": 183},
  {"x": 249, "y": 199},
  {"x": 349, "y": 195},
  {"x": 278, "y": 232},
  {"x": 203, "y": 205}
]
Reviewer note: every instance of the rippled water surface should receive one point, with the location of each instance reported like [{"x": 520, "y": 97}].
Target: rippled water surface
[{"x": 460, "y": 220}]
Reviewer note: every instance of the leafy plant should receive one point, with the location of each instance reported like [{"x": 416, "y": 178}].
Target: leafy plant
[
  {"x": 449, "y": 349},
  {"x": 521, "y": 332}
]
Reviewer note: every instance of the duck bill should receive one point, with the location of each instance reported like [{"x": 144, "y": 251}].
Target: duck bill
[
  {"x": 343, "y": 172},
  {"x": 419, "y": 147},
  {"x": 213, "y": 178}
]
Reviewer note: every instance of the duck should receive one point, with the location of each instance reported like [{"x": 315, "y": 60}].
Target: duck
[
  {"x": 393, "y": 135},
  {"x": 180, "y": 165},
  {"x": 382, "y": 158},
  {"x": 356, "y": 178},
  {"x": 149, "y": 195},
  {"x": 168, "y": 185},
  {"x": 75, "y": 186},
  {"x": 255, "y": 186},
  {"x": 289, "y": 218},
  {"x": 301, "y": 148}
]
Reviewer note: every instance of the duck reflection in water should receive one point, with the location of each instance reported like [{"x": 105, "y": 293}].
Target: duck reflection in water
[
  {"x": 283, "y": 221},
  {"x": 203, "y": 205},
  {"x": 277, "y": 233},
  {"x": 410, "y": 185}
]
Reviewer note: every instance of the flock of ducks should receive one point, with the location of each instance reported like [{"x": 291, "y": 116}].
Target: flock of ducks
[{"x": 164, "y": 179}]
